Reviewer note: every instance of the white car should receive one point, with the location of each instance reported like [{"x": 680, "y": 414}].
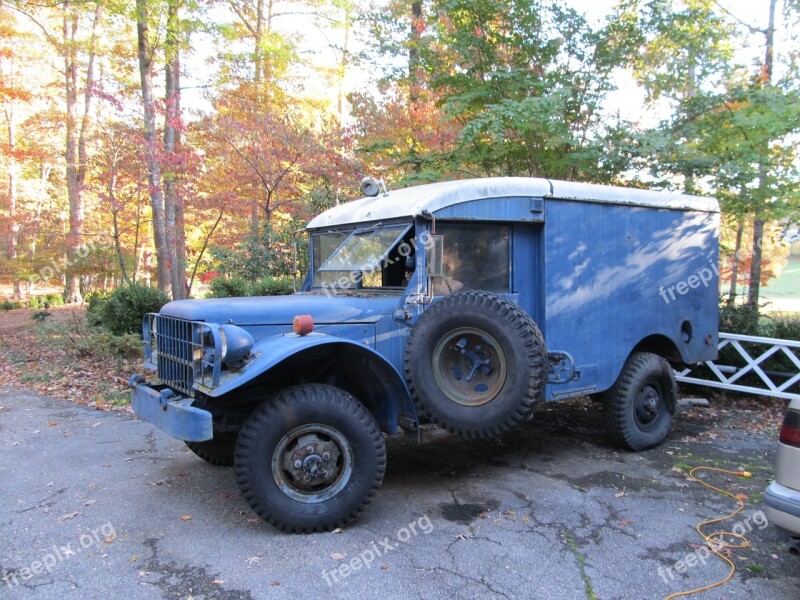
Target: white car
[{"x": 782, "y": 498}]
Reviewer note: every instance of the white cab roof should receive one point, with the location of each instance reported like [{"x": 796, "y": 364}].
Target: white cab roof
[{"x": 412, "y": 201}]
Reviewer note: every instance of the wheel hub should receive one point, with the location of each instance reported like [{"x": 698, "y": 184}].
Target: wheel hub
[
  {"x": 312, "y": 463},
  {"x": 469, "y": 366},
  {"x": 648, "y": 405}
]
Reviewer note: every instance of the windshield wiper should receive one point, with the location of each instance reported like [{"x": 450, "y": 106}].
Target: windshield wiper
[{"x": 369, "y": 229}]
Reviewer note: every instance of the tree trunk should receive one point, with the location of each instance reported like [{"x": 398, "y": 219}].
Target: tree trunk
[
  {"x": 112, "y": 190},
  {"x": 72, "y": 292},
  {"x": 76, "y": 157},
  {"x": 735, "y": 265},
  {"x": 263, "y": 23},
  {"x": 758, "y": 222},
  {"x": 13, "y": 226},
  {"x": 173, "y": 209},
  {"x": 145, "y": 53},
  {"x": 343, "y": 64}
]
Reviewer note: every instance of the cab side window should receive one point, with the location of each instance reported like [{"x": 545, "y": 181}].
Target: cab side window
[{"x": 476, "y": 257}]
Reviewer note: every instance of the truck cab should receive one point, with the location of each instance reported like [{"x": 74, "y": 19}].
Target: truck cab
[{"x": 463, "y": 304}]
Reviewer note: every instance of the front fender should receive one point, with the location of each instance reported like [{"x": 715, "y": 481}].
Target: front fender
[{"x": 378, "y": 385}]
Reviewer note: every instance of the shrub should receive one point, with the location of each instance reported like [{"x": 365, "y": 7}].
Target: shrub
[
  {"x": 230, "y": 287},
  {"x": 272, "y": 286},
  {"x": 743, "y": 320},
  {"x": 54, "y": 300},
  {"x": 233, "y": 287},
  {"x": 7, "y": 304},
  {"x": 123, "y": 310},
  {"x": 787, "y": 328},
  {"x": 94, "y": 301}
]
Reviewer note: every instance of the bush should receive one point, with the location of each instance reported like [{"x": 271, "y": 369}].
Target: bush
[
  {"x": 233, "y": 287},
  {"x": 272, "y": 286},
  {"x": 7, "y": 304},
  {"x": 230, "y": 287},
  {"x": 94, "y": 301},
  {"x": 743, "y": 320},
  {"x": 54, "y": 300},
  {"x": 123, "y": 310},
  {"x": 787, "y": 328}
]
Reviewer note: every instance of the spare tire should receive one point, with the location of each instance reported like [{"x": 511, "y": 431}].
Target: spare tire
[{"x": 476, "y": 364}]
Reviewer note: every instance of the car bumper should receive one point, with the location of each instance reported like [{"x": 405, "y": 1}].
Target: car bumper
[
  {"x": 783, "y": 507},
  {"x": 170, "y": 412}
]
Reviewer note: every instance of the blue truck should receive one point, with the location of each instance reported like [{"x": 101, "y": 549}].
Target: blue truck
[{"x": 461, "y": 305}]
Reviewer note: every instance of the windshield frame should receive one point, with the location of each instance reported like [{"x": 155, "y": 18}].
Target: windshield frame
[
  {"x": 359, "y": 261},
  {"x": 373, "y": 278}
]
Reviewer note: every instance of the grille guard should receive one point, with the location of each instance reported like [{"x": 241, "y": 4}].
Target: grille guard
[{"x": 181, "y": 351}]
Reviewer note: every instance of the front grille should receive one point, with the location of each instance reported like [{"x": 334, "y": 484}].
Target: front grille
[{"x": 184, "y": 352}]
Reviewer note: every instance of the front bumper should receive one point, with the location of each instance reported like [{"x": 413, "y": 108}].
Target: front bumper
[
  {"x": 783, "y": 507},
  {"x": 170, "y": 412}
]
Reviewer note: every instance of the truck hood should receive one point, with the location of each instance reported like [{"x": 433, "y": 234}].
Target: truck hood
[{"x": 280, "y": 310}]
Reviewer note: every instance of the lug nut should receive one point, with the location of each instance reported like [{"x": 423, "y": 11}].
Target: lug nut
[
  {"x": 309, "y": 449},
  {"x": 298, "y": 463},
  {"x": 325, "y": 473},
  {"x": 326, "y": 456},
  {"x": 307, "y": 478}
]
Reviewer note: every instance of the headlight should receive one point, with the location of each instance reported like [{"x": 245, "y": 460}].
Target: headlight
[{"x": 236, "y": 344}]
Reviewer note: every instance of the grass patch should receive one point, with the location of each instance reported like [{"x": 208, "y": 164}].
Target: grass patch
[
  {"x": 116, "y": 398},
  {"x": 572, "y": 544},
  {"x": 81, "y": 341},
  {"x": 36, "y": 378},
  {"x": 17, "y": 358}
]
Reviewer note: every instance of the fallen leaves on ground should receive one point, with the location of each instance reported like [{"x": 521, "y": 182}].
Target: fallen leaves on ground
[{"x": 32, "y": 361}]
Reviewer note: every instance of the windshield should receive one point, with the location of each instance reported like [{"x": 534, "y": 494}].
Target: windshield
[
  {"x": 365, "y": 249},
  {"x": 380, "y": 256}
]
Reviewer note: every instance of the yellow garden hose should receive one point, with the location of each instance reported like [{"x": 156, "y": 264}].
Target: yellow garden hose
[{"x": 715, "y": 545}]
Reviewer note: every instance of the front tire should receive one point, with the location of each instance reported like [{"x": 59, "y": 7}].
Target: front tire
[
  {"x": 640, "y": 406},
  {"x": 310, "y": 458},
  {"x": 218, "y": 452}
]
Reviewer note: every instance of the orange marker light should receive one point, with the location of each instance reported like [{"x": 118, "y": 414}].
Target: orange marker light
[{"x": 303, "y": 324}]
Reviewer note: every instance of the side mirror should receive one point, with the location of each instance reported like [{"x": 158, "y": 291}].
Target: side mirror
[{"x": 434, "y": 256}]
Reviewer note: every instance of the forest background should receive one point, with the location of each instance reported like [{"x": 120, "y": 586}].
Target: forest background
[{"x": 176, "y": 142}]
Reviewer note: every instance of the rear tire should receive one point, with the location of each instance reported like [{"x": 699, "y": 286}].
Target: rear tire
[
  {"x": 310, "y": 458},
  {"x": 640, "y": 406}
]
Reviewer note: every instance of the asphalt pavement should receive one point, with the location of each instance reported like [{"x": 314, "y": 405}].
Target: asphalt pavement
[{"x": 103, "y": 505}]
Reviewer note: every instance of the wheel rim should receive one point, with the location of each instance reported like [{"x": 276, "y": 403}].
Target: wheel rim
[
  {"x": 648, "y": 406},
  {"x": 312, "y": 463},
  {"x": 469, "y": 366}
]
